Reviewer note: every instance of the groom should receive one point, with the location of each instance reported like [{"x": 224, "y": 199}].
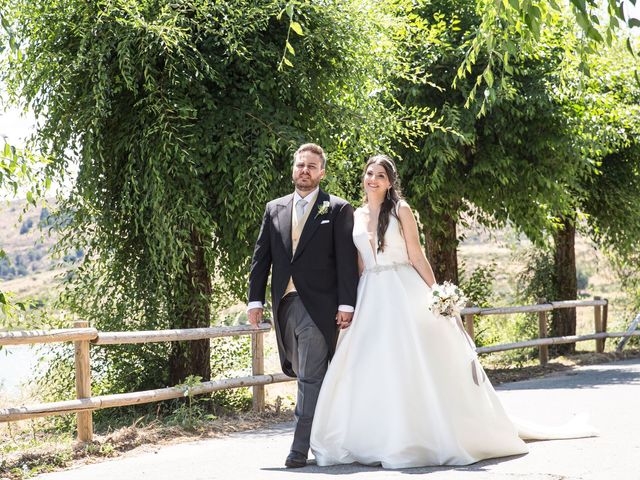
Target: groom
[{"x": 306, "y": 241}]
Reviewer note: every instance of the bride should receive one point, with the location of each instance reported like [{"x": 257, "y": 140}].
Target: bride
[{"x": 404, "y": 388}]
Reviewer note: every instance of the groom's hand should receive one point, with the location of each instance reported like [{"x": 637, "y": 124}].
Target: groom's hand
[
  {"x": 343, "y": 319},
  {"x": 255, "y": 316}
]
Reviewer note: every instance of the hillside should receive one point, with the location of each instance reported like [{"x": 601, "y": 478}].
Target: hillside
[
  {"x": 29, "y": 269},
  {"x": 506, "y": 249}
]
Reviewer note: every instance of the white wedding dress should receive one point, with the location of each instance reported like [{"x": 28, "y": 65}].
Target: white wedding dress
[{"x": 404, "y": 388}]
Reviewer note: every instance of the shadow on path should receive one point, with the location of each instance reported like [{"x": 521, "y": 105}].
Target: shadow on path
[{"x": 357, "y": 468}]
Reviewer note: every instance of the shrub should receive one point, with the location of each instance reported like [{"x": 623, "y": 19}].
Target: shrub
[
  {"x": 582, "y": 279},
  {"x": 479, "y": 285},
  {"x": 534, "y": 282}
]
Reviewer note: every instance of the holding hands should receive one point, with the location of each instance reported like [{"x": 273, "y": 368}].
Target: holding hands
[{"x": 343, "y": 319}]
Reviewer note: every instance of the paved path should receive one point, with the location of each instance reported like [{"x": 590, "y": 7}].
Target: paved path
[{"x": 609, "y": 392}]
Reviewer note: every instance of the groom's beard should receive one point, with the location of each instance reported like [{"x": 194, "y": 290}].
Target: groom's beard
[{"x": 307, "y": 184}]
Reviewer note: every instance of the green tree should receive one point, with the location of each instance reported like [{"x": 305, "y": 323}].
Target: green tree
[
  {"x": 532, "y": 154},
  {"x": 603, "y": 114},
  {"x": 510, "y": 27},
  {"x": 182, "y": 117},
  {"x": 609, "y": 199},
  {"x": 511, "y": 163}
]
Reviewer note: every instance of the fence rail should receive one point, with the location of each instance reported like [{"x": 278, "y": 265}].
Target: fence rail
[
  {"x": 32, "y": 337},
  {"x": 89, "y": 404},
  {"x": 600, "y": 318},
  {"x": 83, "y": 337}
]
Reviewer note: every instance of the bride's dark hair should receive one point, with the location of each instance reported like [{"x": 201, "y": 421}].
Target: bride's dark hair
[{"x": 392, "y": 197}]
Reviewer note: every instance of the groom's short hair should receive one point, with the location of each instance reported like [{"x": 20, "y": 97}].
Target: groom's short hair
[{"x": 313, "y": 148}]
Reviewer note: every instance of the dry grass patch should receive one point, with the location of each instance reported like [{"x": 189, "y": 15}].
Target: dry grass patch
[
  {"x": 533, "y": 369},
  {"x": 29, "y": 456}
]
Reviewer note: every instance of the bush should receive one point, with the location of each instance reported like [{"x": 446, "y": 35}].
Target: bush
[
  {"x": 495, "y": 329},
  {"x": 538, "y": 278},
  {"x": 479, "y": 290},
  {"x": 45, "y": 218},
  {"x": 628, "y": 272},
  {"x": 35, "y": 254},
  {"x": 22, "y": 265},
  {"x": 479, "y": 286},
  {"x": 7, "y": 271},
  {"x": 73, "y": 257},
  {"x": 231, "y": 357},
  {"x": 534, "y": 282},
  {"x": 582, "y": 279}
]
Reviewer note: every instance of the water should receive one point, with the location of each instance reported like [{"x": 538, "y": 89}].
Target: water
[{"x": 18, "y": 366}]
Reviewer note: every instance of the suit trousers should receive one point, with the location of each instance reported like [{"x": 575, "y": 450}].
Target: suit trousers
[{"x": 307, "y": 350}]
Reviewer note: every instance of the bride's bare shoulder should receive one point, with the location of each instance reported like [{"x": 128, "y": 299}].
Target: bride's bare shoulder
[{"x": 402, "y": 206}]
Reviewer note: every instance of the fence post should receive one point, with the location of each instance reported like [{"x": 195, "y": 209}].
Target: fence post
[
  {"x": 543, "y": 350},
  {"x": 83, "y": 384},
  {"x": 468, "y": 324},
  {"x": 597, "y": 320},
  {"x": 257, "y": 368},
  {"x": 605, "y": 318}
]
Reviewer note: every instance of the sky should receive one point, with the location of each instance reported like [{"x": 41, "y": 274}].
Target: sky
[
  {"x": 15, "y": 127},
  {"x": 632, "y": 11}
]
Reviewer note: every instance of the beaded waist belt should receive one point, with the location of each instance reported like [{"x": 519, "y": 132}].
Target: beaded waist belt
[{"x": 383, "y": 268}]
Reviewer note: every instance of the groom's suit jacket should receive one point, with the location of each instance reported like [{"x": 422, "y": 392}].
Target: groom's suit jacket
[{"x": 324, "y": 267}]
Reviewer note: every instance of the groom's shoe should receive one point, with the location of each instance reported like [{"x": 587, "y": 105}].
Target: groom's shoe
[{"x": 295, "y": 460}]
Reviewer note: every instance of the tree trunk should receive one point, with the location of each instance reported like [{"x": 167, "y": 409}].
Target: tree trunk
[
  {"x": 442, "y": 248},
  {"x": 564, "y": 320},
  {"x": 193, "y": 310}
]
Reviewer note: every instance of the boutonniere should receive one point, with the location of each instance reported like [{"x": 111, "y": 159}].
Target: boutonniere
[{"x": 324, "y": 208}]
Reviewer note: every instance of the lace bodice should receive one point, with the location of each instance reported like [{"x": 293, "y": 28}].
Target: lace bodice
[{"x": 395, "y": 248}]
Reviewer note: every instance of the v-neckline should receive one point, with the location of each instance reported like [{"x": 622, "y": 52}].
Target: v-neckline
[{"x": 373, "y": 245}]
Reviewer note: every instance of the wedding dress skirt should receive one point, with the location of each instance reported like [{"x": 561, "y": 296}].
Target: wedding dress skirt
[{"x": 404, "y": 388}]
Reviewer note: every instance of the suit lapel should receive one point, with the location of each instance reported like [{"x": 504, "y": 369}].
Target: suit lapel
[
  {"x": 312, "y": 223},
  {"x": 283, "y": 217}
]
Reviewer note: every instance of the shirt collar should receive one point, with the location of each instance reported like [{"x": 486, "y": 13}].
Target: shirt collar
[{"x": 310, "y": 198}]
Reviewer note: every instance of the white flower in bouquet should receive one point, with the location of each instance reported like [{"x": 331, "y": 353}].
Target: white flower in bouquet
[{"x": 446, "y": 299}]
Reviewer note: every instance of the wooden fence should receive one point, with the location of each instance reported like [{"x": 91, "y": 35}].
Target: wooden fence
[
  {"x": 83, "y": 336},
  {"x": 600, "y": 319}
]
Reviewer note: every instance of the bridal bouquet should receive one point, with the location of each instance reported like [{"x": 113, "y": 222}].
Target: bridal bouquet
[{"x": 446, "y": 299}]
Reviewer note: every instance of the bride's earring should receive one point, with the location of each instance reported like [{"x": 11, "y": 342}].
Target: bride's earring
[{"x": 389, "y": 193}]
